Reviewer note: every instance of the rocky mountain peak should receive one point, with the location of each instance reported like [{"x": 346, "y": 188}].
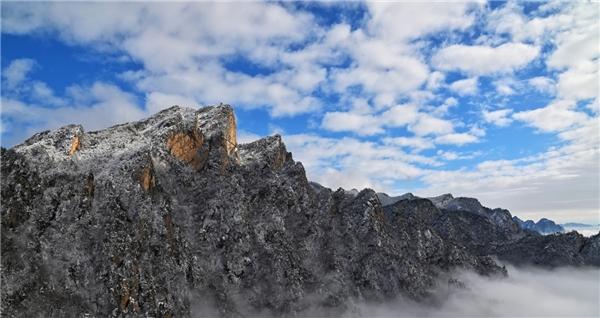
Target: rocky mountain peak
[
  {"x": 442, "y": 201},
  {"x": 152, "y": 217}
]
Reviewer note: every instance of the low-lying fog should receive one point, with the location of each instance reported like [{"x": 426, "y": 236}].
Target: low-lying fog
[
  {"x": 526, "y": 292},
  {"x": 585, "y": 231}
]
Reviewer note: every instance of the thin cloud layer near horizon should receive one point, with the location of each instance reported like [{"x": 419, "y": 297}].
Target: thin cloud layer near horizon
[{"x": 497, "y": 101}]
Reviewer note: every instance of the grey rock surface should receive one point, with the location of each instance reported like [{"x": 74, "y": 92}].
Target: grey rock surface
[
  {"x": 388, "y": 200},
  {"x": 495, "y": 232},
  {"x": 169, "y": 216}
]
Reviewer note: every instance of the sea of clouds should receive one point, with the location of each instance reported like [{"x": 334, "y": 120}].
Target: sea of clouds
[
  {"x": 526, "y": 292},
  {"x": 585, "y": 231}
]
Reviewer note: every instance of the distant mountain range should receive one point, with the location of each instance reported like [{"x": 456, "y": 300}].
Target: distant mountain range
[{"x": 543, "y": 226}]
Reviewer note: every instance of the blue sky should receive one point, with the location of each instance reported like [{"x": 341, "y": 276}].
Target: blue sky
[{"x": 493, "y": 100}]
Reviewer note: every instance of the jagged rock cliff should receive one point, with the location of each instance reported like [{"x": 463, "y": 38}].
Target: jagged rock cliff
[
  {"x": 485, "y": 231},
  {"x": 154, "y": 217},
  {"x": 169, "y": 216}
]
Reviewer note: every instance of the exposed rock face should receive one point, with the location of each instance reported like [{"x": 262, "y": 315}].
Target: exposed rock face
[
  {"x": 442, "y": 200},
  {"x": 155, "y": 217},
  {"x": 185, "y": 146},
  {"x": 74, "y": 145},
  {"x": 387, "y": 200},
  {"x": 483, "y": 231},
  {"x": 552, "y": 250}
]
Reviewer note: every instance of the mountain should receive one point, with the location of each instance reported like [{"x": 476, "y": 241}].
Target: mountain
[
  {"x": 169, "y": 216},
  {"x": 543, "y": 226},
  {"x": 385, "y": 199}
]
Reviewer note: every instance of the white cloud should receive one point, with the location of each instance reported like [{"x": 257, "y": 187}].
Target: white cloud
[
  {"x": 435, "y": 80},
  {"x": 577, "y": 52},
  {"x": 186, "y": 61},
  {"x": 579, "y": 43},
  {"x": 467, "y": 86},
  {"x": 415, "y": 143},
  {"x": 448, "y": 155},
  {"x": 483, "y": 60},
  {"x": 572, "y": 28},
  {"x": 445, "y": 107},
  {"x": 17, "y": 71},
  {"x": 400, "y": 115},
  {"x": 456, "y": 139},
  {"x": 511, "y": 20},
  {"x": 381, "y": 69},
  {"x": 427, "y": 125},
  {"x": 391, "y": 19},
  {"x": 386, "y": 65},
  {"x": 580, "y": 82},
  {"x": 452, "y": 155},
  {"x": 361, "y": 124},
  {"x": 498, "y": 117},
  {"x": 506, "y": 86},
  {"x": 157, "y": 101},
  {"x": 396, "y": 116},
  {"x": 542, "y": 84},
  {"x": 105, "y": 105},
  {"x": 555, "y": 117},
  {"x": 351, "y": 163}
]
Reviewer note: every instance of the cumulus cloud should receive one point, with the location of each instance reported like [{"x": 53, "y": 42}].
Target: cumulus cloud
[
  {"x": 400, "y": 115},
  {"x": 542, "y": 83},
  {"x": 184, "y": 61},
  {"x": 342, "y": 121},
  {"x": 467, "y": 86},
  {"x": 423, "y": 18},
  {"x": 456, "y": 139},
  {"x": 482, "y": 60},
  {"x": 510, "y": 20},
  {"x": 352, "y": 163},
  {"x": 579, "y": 82},
  {"x": 435, "y": 80},
  {"x": 404, "y": 115},
  {"x": 415, "y": 143},
  {"x": 16, "y": 72},
  {"x": 383, "y": 71},
  {"x": 555, "y": 117},
  {"x": 428, "y": 125},
  {"x": 95, "y": 107},
  {"x": 498, "y": 117},
  {"x": 445, "y": 106},
  {"x": 572, "y": 30},
  {"x": 386, "y": 64}
]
